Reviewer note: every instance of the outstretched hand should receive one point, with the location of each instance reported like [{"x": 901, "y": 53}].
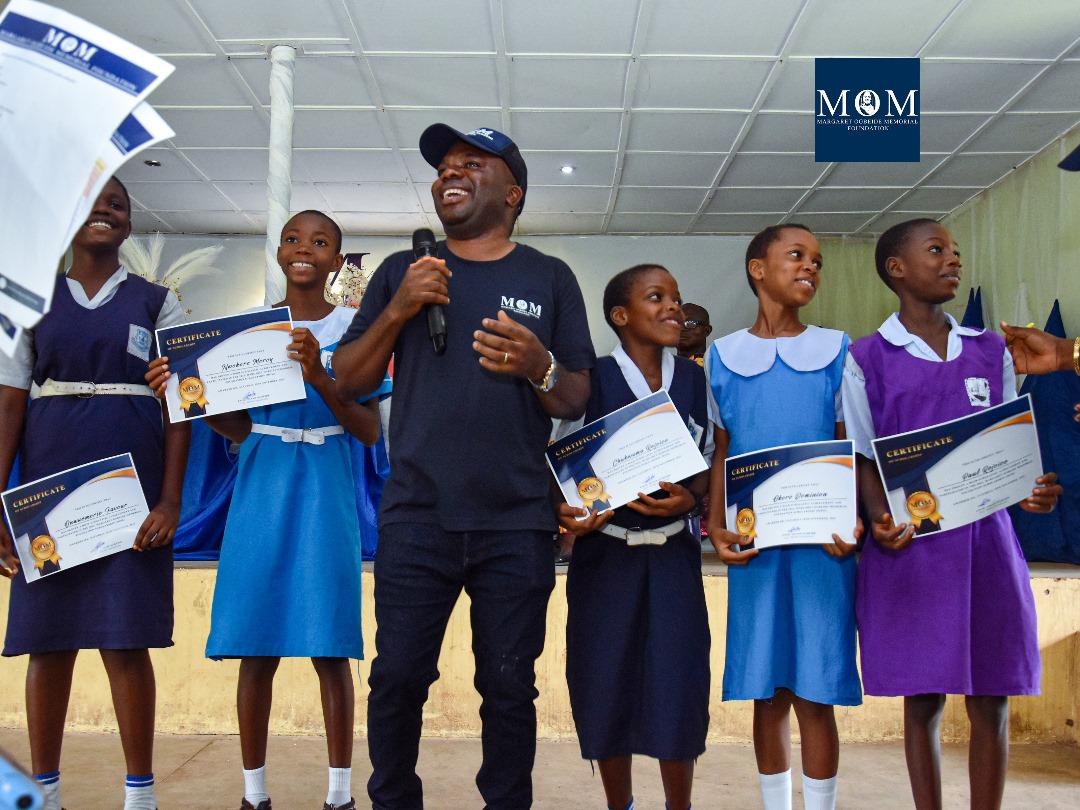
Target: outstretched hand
[
  {"x": 724, "y": 541},
  {"x": 1045, "y": 496},
  {"x": 839, "y": 548},
  {"x": 592, "y": 521},
  {"x": 890, "y": 535},
  {"x": 680, "y": 500}
]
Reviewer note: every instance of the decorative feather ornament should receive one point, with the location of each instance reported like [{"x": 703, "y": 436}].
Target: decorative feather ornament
[{"x": 145, "y": 260}]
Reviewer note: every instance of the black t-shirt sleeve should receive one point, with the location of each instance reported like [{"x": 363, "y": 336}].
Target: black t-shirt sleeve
[
  {"x": 571, "y": 341},
  {"x": 376, "y": 297}
]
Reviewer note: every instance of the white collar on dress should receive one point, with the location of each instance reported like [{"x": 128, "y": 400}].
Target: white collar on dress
[
  {"x": 635, "y": 379},
  {"x": 748, "y": 355},
  {"x": 897, "y": 334},
  {"x": 103, "y": 295}
]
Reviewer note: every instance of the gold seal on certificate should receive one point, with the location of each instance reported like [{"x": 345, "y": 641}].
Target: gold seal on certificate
[
  {"x": 922, "y": 506},
  {"x": 191, "y": 393},
  {"x": 745, "y": 522},
  {"x": 44, "y": 550},
  {"x": 591, "y": 490}
]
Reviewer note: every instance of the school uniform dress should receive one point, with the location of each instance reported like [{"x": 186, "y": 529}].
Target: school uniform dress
[
  {"x": 288, "y": 580},
  {"x": 637, "y": 628},
  {"x": 953, "y": 613},
  {"x": 791, "y": 617},
  {"x": 125, "y": 600}
]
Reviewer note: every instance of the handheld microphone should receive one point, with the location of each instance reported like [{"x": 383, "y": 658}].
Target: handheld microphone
[{"x": 423, "y": 244}]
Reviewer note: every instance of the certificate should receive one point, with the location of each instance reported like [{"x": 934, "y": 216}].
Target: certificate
[
  {"x": 952, "y": 474},
  {"x": 605, "y": 464},
  {"x": 228, "y": 364},
  {"x": 76, "y": 516},
  {"x": 800, "y": 493}
]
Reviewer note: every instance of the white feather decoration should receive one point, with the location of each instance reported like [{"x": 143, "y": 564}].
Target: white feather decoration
[{"x": 145, "y": 260}]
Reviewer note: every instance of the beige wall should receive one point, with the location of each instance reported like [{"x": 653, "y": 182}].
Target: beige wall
[{"x": 196, "y": 696}]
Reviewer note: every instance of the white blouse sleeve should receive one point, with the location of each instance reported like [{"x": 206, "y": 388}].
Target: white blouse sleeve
[{"x": 857, "y": 418}]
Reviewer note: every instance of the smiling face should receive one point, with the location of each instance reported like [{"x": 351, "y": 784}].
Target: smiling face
[
  {"x": 109, "y": 223},
  {"x": 789, "y": 274},
  {"x": 927, "y": 265},
  {"x": 310, "y": 249},
  {"x": 653, "y": 312},
  {"x": 474, "y": 192}
]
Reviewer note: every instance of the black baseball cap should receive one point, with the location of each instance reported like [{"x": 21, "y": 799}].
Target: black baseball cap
[
  {"x": 437, "y": 139},
  {"x": 1071, "y": 163}
]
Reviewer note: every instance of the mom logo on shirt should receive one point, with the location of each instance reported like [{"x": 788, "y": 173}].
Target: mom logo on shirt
[{"x": 520, "y": 306}]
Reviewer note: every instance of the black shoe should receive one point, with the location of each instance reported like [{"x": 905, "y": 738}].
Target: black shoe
[
  {"x": 263, "y": 805},
  {"x": 350, "y": 806}
]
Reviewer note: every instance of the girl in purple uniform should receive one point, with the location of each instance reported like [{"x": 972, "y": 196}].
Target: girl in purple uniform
[{"x": 948, "y": 611}]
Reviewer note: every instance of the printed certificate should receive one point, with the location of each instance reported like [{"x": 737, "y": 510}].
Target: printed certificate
[
  {"x": 952, "y": 474},
  {"x": 76, "y": 516},
  {"x": 605, "y": 464},
  {"x": 797, "y": 494},
  {"x": 228, "y": 364}
]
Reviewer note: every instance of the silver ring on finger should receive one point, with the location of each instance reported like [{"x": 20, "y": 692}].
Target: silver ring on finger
[{"x": 506, "y": 357}]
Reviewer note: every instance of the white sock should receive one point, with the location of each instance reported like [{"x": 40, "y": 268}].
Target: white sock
[
  {"x": 49, "y": 783},
  {"x": 340, "y": 790},
  {"x": 776, "y": 790},
  {"x": 819, "y": 794},
  {"x": 629, "y": 806},
  {"x": 255, "y": 785},
  {"x": 139, "y": 793}
]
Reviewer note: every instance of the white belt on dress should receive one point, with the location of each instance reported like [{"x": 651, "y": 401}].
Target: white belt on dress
[
  {"x": 53, "y": 388},
  {"x": 644, "y": 537},
  {"x": 305, "y": 435}
]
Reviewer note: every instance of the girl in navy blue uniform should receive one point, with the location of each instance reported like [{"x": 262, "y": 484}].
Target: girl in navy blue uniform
[
  {"x": 98, "y": 330},
  {"x": 637, "y": 629}
]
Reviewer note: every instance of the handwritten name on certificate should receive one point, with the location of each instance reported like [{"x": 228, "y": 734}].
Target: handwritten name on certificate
[
  {"x": 75, "y": 516},
  {"x": 949, "y": 475},
  {"x": 229, "y": 364},
  {"x": 797, "y": 494},
  {"x": 605, "y": 464}
]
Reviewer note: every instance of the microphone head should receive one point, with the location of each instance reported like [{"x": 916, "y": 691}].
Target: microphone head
[{"x": 423, "y": 243}]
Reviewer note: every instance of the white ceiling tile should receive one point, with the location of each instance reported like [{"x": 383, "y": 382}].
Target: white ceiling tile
[
  {"x": 211, "y": 222},
  {"x": 147, "y": 222},
  {"x": 980, "y": 171},
  {"x": 252, "y": 165},
  {"x": 569, "y": 26},
  {"x": 861, "y": 28},
  {"x": 566, "y": 130},
  {"x": 773, "y": 170},
  {"x": 271, "y": 20},
  {"x": 423, "y": 194},
  {"x": 1055, "y": 91},
  {"x": 408, "y": 125},
  {"x": 793, "y": 90},
  {"x": 650, "y": 223},
  {"x": 670, "y": 169},
  {"x": 463, "y": 26},
  {"x": 420, "y": 172},
  {"x": 173, "y": 167},
  {"x": 320, "y": 129},
  {"x": 423, "y": 81},
  {"x": 719, "y": 26},
  {"x": 936, "y": 200},
  {"x": 538, "y": 82},
  {"x": 735, "y": 223},
  {"x": 201, "y": 82},
  {"x": 590, "y": 168},
  {"x": 336, "y": 165},
  {"x": 369, "y": 197},
  {"x": 357, "y": 223},
  {"x": 252, "y": 196},
  {"x": 714, "y": 84},
  {"x": 781, "y": 132},
  {"x": 751, "y": 200},
  {"x": 537, "y": 224},
  {"x": 832, "y": 223},
  {"x": 1007, "y": 29},
  {"x": 217, "y": 128},
  {"x": 849, "y": 199},
  {"x": 166, "y": 30},
  {"x": 660, "y": 200},
  {"x": 882, "y": 174},
  {"x": 180, "y": 196},
  {"x": 683, "y": 131},
  {"x": 1023, "y": 132},
  {"x": 890, "y": 218},
  {"x": 572, "y": 199},
  {"x": 318, "y": 81},
  {"x": 945, "y": 133},
  {"x": 971, "y": 86}
]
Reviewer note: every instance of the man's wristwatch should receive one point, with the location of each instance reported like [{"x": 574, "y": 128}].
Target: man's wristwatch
[{"x": 550, "y": 376}]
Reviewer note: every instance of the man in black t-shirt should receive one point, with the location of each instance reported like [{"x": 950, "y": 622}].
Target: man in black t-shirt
[{"x": 468, "y": 501}]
